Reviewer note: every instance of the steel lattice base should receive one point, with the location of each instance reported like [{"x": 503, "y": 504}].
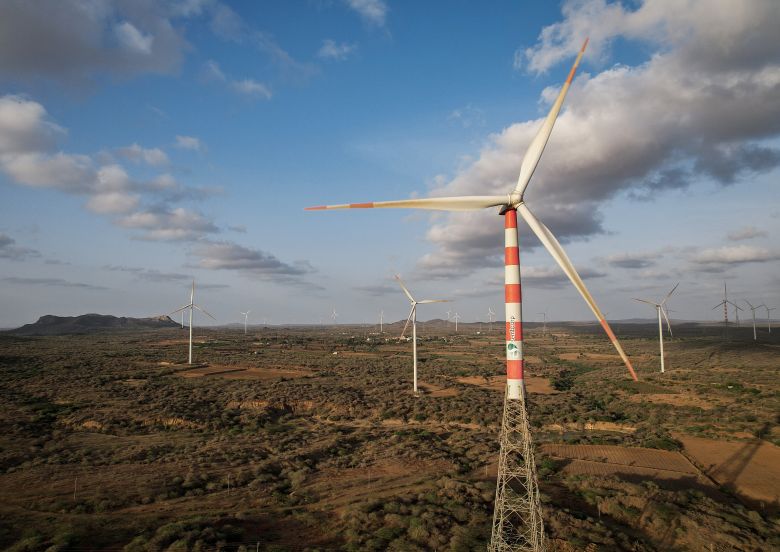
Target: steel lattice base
[{"x": 517, "y": 517}]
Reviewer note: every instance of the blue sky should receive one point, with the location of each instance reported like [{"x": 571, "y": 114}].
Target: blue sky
[{"x": 143, "y": 144}]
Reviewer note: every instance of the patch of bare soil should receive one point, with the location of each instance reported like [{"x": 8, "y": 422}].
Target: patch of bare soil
[
  {"x": 243, "y": 372},
  {"x": 533, "y": 384},
  {"x": 590, "y": 426},
  {"x": 604, "y": 460},
  {"x": 751, "y": 467}
]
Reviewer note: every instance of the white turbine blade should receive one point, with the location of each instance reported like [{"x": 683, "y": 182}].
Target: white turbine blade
[
  {"x": 535, "y": 149},
  {"x": 181, "y": 309},
  {"x": 551, "y": 244},
  {"x": 748, "y": 302},
  {"x": 718, "y": 305},
  {"x": 403, "y": 287},
  {"x": 463, "y": 203},
  {"x": 408, "y": 318},
  {"x": 643, "y": 301},
  {"x": 204, "y": 312},
  {"x": 670, "y": 293},
  {"x": 434, "y": 301},
  {"x": 668, "y": 324}
]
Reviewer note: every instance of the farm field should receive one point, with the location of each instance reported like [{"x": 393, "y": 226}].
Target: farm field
[{"x": 311, "y": 439}]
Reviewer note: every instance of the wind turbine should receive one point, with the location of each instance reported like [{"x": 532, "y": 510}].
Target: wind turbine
[
  {"x": 753, "y": 310},
  {"x": 192, "y": 306},
  {"x": 659, "y": 307},
  {"x": 246, "y": 316},
  {"x": 449, "y": 315},
  {"x": 544, "y": 327},
  {"x": 768, "y": 319},
  {"x": 381, "y": 321},
  {"x": 508, "y": 524},
  {"x": 413, "y": 317},
  {"x": 334, "y": 315},
  {"x": 491, "y": 314},
  {"x": 456, "y": 318}
]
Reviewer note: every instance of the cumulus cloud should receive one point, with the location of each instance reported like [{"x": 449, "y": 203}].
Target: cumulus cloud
[
  {"x": 746, "y": 233},
  {"x": 671, "y": 121},
  {"x": 371, "y": 11},
  {"x": 151, "y": 156},
  {"x": 332, "y": 51},
  {"x": 8, "y": 249},
  {"x": 734, "y": 255},
  {"x": 72, "y": 40},
  {"x": 189, "y": 143},
  {"x": 164, "y": 224}
]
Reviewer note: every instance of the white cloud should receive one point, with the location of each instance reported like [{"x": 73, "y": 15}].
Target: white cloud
[
  {"x": 133, "y": 39},
  {"x": 746, "y": 233},
  {"x": 177, "y": 224},
  {"x": 336, "y": 52},
  {"x": 151, "y": 156},
  {"x": 212, "y": 71},
  {"x": 372, "y": 11},
  {"x": 109, "y": 203},
  {"x": 249, "y": 87},
  {"x": 732, "y": 255},
  {"x": 664, "y": 124},
  {"x": 189, "y": 143}
]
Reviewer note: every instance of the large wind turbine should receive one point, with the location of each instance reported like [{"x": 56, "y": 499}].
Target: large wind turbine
[
  {"x": 753, "y": 310},
  {"x": 246, "y": 317},
  {"x": 192, "y": 306},
  {"x": 514, "y": 524},
  {"x": 413, "y": 317},
  {"x": 659, "y": 307}
]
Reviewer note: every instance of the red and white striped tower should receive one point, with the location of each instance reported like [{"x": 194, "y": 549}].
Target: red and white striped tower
[{"x": 517, "y": 516}]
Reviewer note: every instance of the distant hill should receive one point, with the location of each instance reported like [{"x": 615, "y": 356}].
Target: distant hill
[{"x": 89, "y": 323}]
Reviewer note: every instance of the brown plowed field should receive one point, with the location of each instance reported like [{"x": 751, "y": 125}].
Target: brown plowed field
[
  {"x": 498, "y": 383},
  {"x": 748, "y": 466}
]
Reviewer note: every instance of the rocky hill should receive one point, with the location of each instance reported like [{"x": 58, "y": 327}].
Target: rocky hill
[{"x": 89, "y": 323}]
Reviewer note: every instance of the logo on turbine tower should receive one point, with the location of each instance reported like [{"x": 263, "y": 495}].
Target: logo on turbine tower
[
  {"x": 512, "y": 328},
  {"x": 512, "y": 351}
]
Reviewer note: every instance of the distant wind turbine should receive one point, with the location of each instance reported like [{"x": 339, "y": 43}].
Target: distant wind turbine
[
  {"x": 768, "y": 319},
  {"x": 659, "y": 307},
  {"x": 413, "y": 317},
  {"x": 456, "y": 318},
  {"x": 381, "y": 321},
  {"x": 544, "y": 327},
  {"x": 334, "y": 315},
  {"x": 192, "y": 306},
  {"x": 753, "y": 310},
  {"x": 491, "y": 315},
  {"x": 246, "y": 317}
]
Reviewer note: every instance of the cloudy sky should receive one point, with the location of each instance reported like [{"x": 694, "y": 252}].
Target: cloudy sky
[{"x": 145, "y": 143}]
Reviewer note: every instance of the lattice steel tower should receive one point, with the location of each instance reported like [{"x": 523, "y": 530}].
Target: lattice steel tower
[{"x": 517, "y": 514}]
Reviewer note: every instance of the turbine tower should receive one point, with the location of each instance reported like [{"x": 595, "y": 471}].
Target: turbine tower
[
  {"x": 246, "y": 316},
  {"x": 517, "y": 516},
  {"x": 334, "y": 315},
  {"x": 659, "y": 307},
  {"x": 768, "y": 319},
  {"x": 456, "y": 318},
  {"x": 491, "y": 314},
  {"x": 413, "y": 317},
  {"x": 753, "y": 310},
  {"x": 725, "y": 303},
  {"x": 381, "y": 321},
  {"x": 192, "y": 306}
]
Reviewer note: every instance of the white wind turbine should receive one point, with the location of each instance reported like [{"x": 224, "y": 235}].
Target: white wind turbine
[
  {"x": 544, "y": 323},
  {"x": 449, "y": 317},
  {"x": 491, "y": 315},
  {"x": 753, "y": 310},
  {"x": 246, "y": 317},
  {"x": 456, "y": 318},
  {"x": 659, "y": 307},
  {"x": 192, "y": 306},
  {"x": 768, "y": 319},
  {"x": 413, "y": 317},
  {"x": 334, "y": 315},
  {"x": 381, "y": 321}
]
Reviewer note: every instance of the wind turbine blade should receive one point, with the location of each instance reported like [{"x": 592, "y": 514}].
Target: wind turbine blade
[
  {"x": 180, "y": 309},
  {"x": 643, "y": 301},
  {"x": 668, "y": 324},
  {"x": 718, "y": 305},
  {"x": 551, "y": 244},
  {"x": 748, "y": 302},
  {"x": 204, "y": 312},
  {"x": 670, "y": 293},
  {"x": 535, "y": 149},
  {"x": 403, "y": 287},
  {"x": 434, "y": 301},
  {"x": 408, "y": 318},
  {"x": 462, "y": 203}
]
